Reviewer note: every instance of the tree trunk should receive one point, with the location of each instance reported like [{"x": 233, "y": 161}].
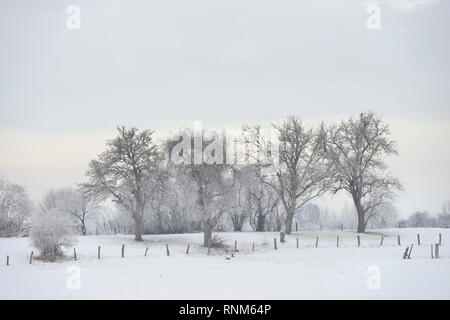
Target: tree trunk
[
  {"x": 260, "y": 222},
  {"x": 207, "y": 233},
  {"x": 83, "y": 228},
  {"x": 260, "y": 218},
  {"x": 360, "y": 212},
  {"x": 289, "y": 220},
  {"x": 361, "y": 224},
  {"x": 138, "y": 228}
]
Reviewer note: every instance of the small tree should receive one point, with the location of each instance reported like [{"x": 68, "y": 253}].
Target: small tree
[
  {"x": 70, "y": 202},
  {"x": 51, "y": 231},
  {"x": 302, "y": 172}
]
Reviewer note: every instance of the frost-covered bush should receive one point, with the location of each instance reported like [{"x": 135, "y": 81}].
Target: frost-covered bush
[
  {"x": 15, "y": 207},
  {"x": 51, "y": 231}
]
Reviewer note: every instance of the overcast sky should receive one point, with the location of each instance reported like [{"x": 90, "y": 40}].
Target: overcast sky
[{"x": 161, "y": 63}]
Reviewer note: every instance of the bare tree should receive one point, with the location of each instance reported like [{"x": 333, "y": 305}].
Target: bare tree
[
  {"x": 385, "y": 216},
  {"x": 356, "y": 149},
  {"x": 302, "y": 173},
  {"x": 70, "y": 202},
  {"x": 443, "y": 218},
  {"x": 239, "y": 200},
  {"x": 80, "y": 208},
  {"x": 419, "y": 219},
  {"x": 206, "y": 166},
  {"x": 175, "y": 211},
  {"x": 15, "y": 207},
  {"x": 129, "y": 172},
  {"x": 265, "y": 200},
  {"x": 276, "y": 219}
]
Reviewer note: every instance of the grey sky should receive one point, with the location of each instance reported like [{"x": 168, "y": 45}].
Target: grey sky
[{"x": 159, "y": 63}]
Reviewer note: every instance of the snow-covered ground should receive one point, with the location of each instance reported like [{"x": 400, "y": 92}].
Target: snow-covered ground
[{"x": 326, "y": 272}]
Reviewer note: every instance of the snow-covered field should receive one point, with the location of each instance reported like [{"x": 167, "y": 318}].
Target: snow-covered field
[{"x": 326, "y": 272}]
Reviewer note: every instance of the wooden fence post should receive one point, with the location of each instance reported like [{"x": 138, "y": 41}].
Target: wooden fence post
[
  {"x": 31, "y": 257},
  {"x": 337, "y": 241},
  {"x": 382, "y": 238},
  {"x": 146, "y": 249},
  {"x": 167, "y": 250},
  {"x": 282, "y": 237},
  {"x": 297, "y": 242},
  {"x": 253, "y": 247},
  {"x": 317, "y": 241},
  {"x": 410, "y": 250},
  {"x": 98, "y": 252},
  {"x": 187, "y": 249},
  {"x": 359, "y": 241},
  {"x": 405, "y": 254},
  {"x": 275, "y": 243},
  {"x": 431, "y": 251},
  {"x": 123, "y": 251},
  {"x": 440, "y": 239},
  {"x": 74, "y": 254},
  {"x": 398, "y": 240},
  {"x": 235, "y": 245},
  {"x": 436, "y": 251},
  {"x": 7, "y": 260},
  {"x": 418, "y": 239}
]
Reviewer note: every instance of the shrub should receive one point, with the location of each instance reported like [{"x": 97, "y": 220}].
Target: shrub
[{"x": 51, "y": 231}]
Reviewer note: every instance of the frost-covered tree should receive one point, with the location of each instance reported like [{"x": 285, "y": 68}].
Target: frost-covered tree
[
  {"x": 443, "y": 218},
  {"x": 72, "y": 202},
  {"x": 260, "y": 198},
  {"x": 239, "y": 200},
  {"x": 419, "y": 219},
  {"x": 302, "y": 172},
  {"x": 175, "y": 211},
  {"x": 52, "y": 226},
  {"x": 81, "y": 209},
  {"x": 384, "y": 216},
  {"x": 15, "y": 208},
  {"x": 201, "y": 157},
  {"x": 129, "y": 171},
  {"x": 276, "y": 219},
  {"x": 264, "y": 200},
  {"x": 357, "y": 149},
  {"x": 50, "y": 232}
]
